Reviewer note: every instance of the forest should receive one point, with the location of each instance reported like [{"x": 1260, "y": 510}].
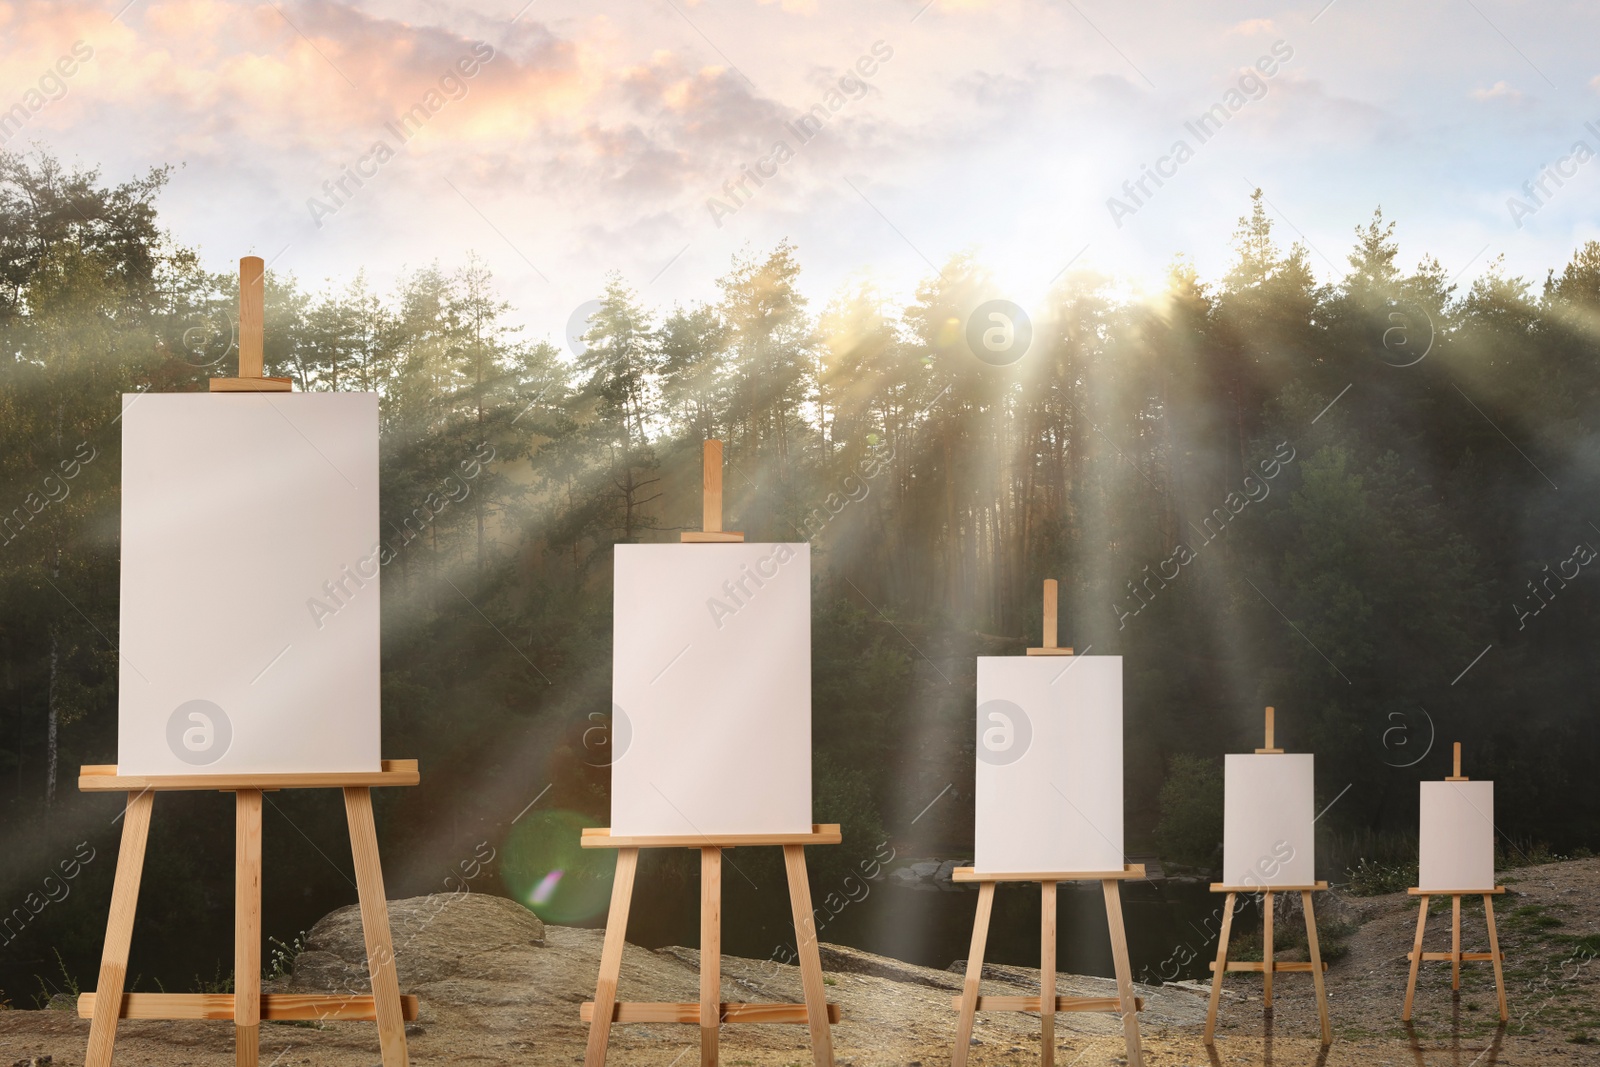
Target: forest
[{"x": 1368, "y": 500}]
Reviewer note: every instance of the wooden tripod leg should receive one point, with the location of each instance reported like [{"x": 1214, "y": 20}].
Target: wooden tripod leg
[
  {"x": 605, "y": 988},
  {"x": 969, "y": 986},
  {"x": 1494, "y": 954},
  {"x": 247, "y": 928},
  {"x": 1221, "y": 968},
  {"x": 375, "y": 926},
  {"x": 119, "y": 930},
  {"x": 805, "y": 943},
  {"x": 1416, "y": 960},
  {"x": 710, "y": 953},
  {"x": 1267, "y": 915},
  {"x": 1047, "y": 974},
  {"x": 1455, "y": 941},
  {"x": 1128, "y": 1003},
  {"x": 1316, "y": 966}
]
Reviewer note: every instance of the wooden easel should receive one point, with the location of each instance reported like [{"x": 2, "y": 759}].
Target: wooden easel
[
  {"x": 247, "y": 1005},
  {"x": 1047, "y": 1003},
  {"x": 1455, "y": 955},
  {"x": 1269, "y": 966},
  {"x": 710, "y": 1011}
]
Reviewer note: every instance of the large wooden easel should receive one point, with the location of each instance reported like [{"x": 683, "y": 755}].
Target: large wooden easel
[
  {"x": 970, "y": 1002},
  {"x": 1269, "y": 966},
  {"x": 247, "y": 1005},
  {"x": 710, "y": 1011},
  {"x": 1455, "y": 955}
]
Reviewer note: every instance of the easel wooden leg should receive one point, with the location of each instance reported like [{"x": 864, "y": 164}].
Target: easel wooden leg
[
  {"x": 119, "y": 929},
  {"x": 969, "y": 986},
  {"x": 1494, "y": 954},
  {"x": 1267, "y": 915},
  {"x": 247, "y": 928},
  {"x": 1416, "y": 960},
  {"x": 1222, "y": 967},
  {"x": 1119, "y": 957},
  {"x": 1455, "y": 941},
  {"x": 1047, "y": 974},
  {"x": 605, "y": 990},
  {"x": 1316, "y": 966},
  {"x": 805, "y": 937},
  {"x": 710, "y": 953},
  {"x": 375, "y": 925}
]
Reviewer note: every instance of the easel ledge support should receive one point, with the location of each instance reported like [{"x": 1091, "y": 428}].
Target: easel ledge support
[
  {"x": 1455, "y": 956},
  {"x": 710, "y": 1012},
  {"x": 970, "y": 1002},
  {"x": 1268, "y": 967},
  {"x": 246, "y": 1006}
]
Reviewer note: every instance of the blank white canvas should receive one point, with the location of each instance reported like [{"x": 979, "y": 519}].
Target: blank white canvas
[
  {"x": 711, "y": 666},
  {"x": 1049, "y": 781},
  {"x": 1267, "y": 832},
  {"x": 1456, "y": 842},
  {"x": 236, "y": 509}
]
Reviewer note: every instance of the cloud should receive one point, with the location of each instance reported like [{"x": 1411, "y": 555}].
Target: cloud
[
  {"x": 1250, "y": 27},
  {"x": 1499, "y": 91}
]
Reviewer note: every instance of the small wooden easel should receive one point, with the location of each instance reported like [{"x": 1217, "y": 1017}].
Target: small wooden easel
[
  {"x": 247, "y": 1005},
  {"x": 1268, "y": 966},
  {"x": 969, "y": 1003},
  {"x": 710, "y": 1011},
  {"x": 1455, "y": 955}
]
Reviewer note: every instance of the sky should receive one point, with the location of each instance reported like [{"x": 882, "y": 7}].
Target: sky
[{"x": 559, "y": 140}]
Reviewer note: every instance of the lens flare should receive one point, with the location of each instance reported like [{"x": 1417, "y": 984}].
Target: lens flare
[{"x": 548, "y": 872}]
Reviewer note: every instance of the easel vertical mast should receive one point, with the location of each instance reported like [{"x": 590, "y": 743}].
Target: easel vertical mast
[
  {"x": 1049, "y": 647},
  {"x": 711, "y": 531}
]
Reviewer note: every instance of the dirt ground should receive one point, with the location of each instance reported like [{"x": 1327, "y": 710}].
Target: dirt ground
[{"x": 498, "y": 987}]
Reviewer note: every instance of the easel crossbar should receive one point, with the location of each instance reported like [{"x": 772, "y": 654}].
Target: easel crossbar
[
  {"x": 639, "y": 1011},
  {"x": 275, "y": 1007},
  {"x": 1025, "y": 1003}
]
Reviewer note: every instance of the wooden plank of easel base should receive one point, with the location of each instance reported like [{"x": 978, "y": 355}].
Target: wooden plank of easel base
[
  {"x": 1047, "y": 911},
  {"x": 1316, "y": 966},
  {"x": 247, "y": 928},
  {"x": 969, "y": 985},
  {"x": 643, "y": 1011},
  {"x": 1267, "y": 915},
  {"x": 1494, "y": 954},
  {"x": 375, "y": 926},
  {"x": 1220, "y": 968},
  {"x": 605, "y": 989},
  {"x": 1455, "y": 942},
  {"x": 805, "y": 936},
  {"x": 119, "y": 928},
  {"x": 1119, "y": 958},
  {"x": 275, "y": 1007},
  {"x": 710, "y": 938}
]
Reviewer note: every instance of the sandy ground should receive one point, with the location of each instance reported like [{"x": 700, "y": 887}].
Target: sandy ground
[{"x": 497, "y": 987}]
